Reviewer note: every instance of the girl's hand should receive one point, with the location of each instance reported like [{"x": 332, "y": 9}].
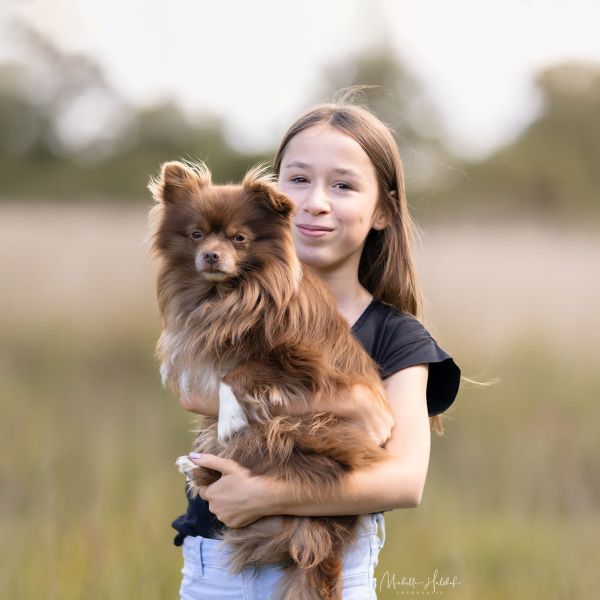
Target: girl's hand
[
  {"x": 377, "y": 421},
  {"x": 238, "y": 498},
  {"x": 200, "y": 405}
]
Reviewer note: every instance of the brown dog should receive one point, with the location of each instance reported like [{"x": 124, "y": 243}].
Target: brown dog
[{"x": 242, "y": 317}]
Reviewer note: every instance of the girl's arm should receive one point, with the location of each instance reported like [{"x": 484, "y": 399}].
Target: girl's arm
[
  {"x": 395, "y": 483},
  {"x": 202, "y": 405},
  {"x": 239, "y": 498}
]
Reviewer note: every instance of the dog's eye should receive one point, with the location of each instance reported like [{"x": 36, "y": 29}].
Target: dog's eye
[
  {"x": 196, "y": 234},
  {"x": 239, "y": 237}
]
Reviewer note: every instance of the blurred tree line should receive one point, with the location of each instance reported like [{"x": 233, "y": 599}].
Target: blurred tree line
[
  {"x": 551, "y": 169},
  {"x": 66, "y": 134}
]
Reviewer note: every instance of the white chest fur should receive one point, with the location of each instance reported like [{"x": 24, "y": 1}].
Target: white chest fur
[{"x": 231, "y": 415}]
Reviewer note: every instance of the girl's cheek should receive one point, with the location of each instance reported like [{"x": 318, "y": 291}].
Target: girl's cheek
[{"x": 292, "y": 194}]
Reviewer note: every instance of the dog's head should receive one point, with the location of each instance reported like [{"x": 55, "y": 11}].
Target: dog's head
[{"x": 219, "y": 233}]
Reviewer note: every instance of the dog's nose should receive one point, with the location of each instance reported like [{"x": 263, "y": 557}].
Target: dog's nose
[{"x": 212, "y": 256}]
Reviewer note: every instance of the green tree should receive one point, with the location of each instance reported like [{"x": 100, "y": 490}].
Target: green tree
[
  {"x": 551, "y": 169},
  {"x": 65, "y": 133}
]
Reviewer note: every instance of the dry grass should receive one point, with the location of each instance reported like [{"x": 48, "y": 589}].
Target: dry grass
[
  {"x": 491, "y": 284},
  {"x": 485, "y": 284}
]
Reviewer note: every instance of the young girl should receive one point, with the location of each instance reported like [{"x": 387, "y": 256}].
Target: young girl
[{"x": 341, "y": 167}]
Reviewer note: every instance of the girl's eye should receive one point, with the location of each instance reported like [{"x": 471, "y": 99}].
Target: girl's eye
[
  {"x": 239, "y": 237},
  {"x": 298, "y": 179},
  {"x": 196, "y": 234},
  {"x": 343, "y": 186}
]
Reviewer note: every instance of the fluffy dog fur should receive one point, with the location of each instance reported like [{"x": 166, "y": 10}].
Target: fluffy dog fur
[{"x": 241, "y": 315}]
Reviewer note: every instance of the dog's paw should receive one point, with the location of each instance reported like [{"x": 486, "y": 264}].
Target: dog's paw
[
  {"x": 196, "y": 475},
  {"x": 192, "y": 473},
  {"x": 186, "y": 466}
]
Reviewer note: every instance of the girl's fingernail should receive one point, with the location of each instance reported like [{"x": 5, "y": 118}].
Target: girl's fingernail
[{"x": 195, "y": 455}]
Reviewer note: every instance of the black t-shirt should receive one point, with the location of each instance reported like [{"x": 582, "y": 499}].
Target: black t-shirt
[{"x": 395, "y": 340}]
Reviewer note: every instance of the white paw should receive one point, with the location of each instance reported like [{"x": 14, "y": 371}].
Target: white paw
[
  {"x": 231, "y": 415},
  {"x": 185, "y": 466}
]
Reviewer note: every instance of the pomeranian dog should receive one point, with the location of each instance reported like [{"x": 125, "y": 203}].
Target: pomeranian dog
[{"x": 242, "y": 318}]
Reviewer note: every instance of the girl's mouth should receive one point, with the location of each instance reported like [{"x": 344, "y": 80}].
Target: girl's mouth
[{"x": 312, "y": 232}]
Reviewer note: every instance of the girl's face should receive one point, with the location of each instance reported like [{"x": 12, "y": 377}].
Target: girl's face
[{"x": 333, "y": 185}]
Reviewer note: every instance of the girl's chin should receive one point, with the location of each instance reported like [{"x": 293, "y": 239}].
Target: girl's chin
[{"x": 316, "y": 260}]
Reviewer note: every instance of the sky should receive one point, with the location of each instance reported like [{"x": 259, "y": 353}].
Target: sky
[{"x": 259, "y": 63}]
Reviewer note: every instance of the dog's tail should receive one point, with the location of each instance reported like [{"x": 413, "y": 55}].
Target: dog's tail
[
  {"x": 309, "y": 551},
  {"x": 317, "y": 549},
  {"x": 263, "y": 542},
  {"x": 320, "y": 583}
]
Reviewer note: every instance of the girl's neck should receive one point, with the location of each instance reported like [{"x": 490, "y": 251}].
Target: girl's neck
[{"x": 351, "y": 298}]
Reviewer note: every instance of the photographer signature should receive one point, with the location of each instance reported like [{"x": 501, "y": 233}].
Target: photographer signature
[{"x": 432, "y": 585}]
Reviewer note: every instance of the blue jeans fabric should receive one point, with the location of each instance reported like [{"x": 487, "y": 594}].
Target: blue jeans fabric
[{"x": 206, "y": 575}]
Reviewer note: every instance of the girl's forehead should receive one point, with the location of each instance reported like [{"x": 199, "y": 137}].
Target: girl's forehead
[{"x": 322, "y": 145}]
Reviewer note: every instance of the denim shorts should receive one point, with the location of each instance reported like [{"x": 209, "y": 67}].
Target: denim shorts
[{"x": 206, "y": 575}]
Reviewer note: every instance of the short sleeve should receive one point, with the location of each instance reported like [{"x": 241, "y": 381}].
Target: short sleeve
[{"x": 408, "y": 343}]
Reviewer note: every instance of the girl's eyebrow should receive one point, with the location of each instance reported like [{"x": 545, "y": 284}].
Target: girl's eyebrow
[
  {"x": 297, "y": 163},
  {"x": 346, "y": 172},
  {"x": 303, "y": 165}
]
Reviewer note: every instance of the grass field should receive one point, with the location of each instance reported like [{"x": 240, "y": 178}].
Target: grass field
[{"x": 87, "y": 482}]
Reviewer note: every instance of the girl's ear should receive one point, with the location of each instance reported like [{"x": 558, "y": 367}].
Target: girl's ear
[
  {"x": 380, "y": 219},
  {"x": 177, "y": 181},
  {"x": 379, "y": 223}
]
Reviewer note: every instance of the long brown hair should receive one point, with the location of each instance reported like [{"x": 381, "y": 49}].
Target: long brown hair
[{"x": 386, "y": 267}]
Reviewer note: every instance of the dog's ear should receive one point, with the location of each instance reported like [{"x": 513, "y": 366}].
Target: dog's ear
[
  {"x": 274, "y": 199},
  {"x": 261, "y": 185},
  {"x": 177, "y": 181}
]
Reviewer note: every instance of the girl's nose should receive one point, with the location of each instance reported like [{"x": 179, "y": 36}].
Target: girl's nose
[{"x": 316, "y": 201}]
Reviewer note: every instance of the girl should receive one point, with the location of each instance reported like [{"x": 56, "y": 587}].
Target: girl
[{"x": 341, "y": 167}]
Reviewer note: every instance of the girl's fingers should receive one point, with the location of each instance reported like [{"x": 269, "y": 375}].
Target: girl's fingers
[{"x": 216, "y": 463}]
